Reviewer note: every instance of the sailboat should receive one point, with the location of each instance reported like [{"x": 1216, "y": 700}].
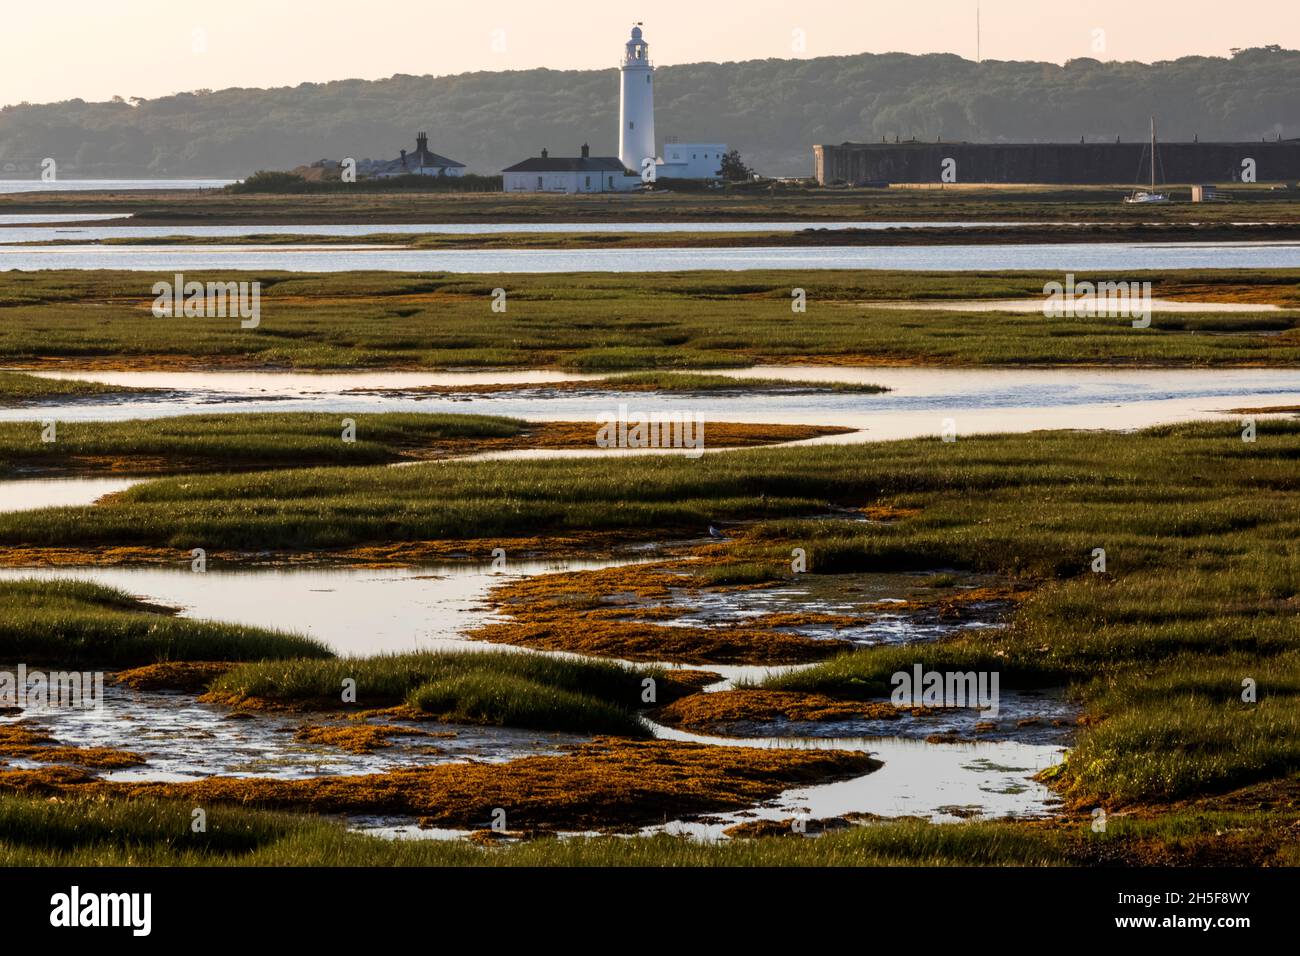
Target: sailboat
[{"x": 1142, "y": 196}]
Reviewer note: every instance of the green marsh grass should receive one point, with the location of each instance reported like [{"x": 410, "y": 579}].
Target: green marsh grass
[
  {"x": 35, "y": 831},
  {"x": 511, "y": 700},
  {"x": 78, "y": 623},
  {"x": 157, "y": 833},
  {"x": 233, "y": 442},
  {"x": 502, "y": 688},
  {"x": 744, "y": 202},
  {"x": 604, "y": 322},
  {"x": 18, "y": 388}
]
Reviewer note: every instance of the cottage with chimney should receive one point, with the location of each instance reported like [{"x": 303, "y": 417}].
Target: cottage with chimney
[
  {"x": 422, "y": 162},
  {"x": 568, "y": 174}
]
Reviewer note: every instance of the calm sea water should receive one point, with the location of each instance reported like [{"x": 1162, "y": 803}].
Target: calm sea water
[
  {"x": 1064, "y": 257},
  {"x": 102, "y": 185},
  {"x": 96, "y": 234}
]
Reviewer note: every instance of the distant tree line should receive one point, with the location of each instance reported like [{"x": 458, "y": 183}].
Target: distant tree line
[{"x": 773, "y": 111}]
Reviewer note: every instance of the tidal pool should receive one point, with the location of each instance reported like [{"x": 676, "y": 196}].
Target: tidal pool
[
  {"x": 28, "y": 494},
  {"x": 919, "y": 402},
  {"x": 355, "y": 611},
  {"x": 370, "y": 611},
  {"x": 921, "y": 779},
  {"x": 183, "y": 739}
]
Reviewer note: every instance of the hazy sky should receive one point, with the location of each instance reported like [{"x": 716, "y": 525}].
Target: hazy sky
[{"x": 95, "y": 49}]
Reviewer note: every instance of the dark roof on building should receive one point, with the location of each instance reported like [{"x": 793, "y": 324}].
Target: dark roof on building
[
  {"x": 420, "y": 158},
  {"x": 567, "y": 164},
  {"x": 428, "y": 158},
  {"x": 413, "y": 163}
]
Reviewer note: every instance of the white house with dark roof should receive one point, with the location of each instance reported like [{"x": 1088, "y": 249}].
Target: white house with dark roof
[
  {"x": 421, "y": 162},
  {"x": 568, "y": 174}
]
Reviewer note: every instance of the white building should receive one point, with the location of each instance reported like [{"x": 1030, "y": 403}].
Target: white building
[
  {"x": 568, "y": 174},
  {"x": 692, "y": 160}
]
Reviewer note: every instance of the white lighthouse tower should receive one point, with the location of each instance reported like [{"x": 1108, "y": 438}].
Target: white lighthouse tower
[{"x": 636, "y": 110}]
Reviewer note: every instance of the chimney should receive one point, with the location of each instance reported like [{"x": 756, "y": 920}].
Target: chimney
[
  {"x": 586, "y": 150},
  {"x": 422, "y": 142},
  {"x": 544, "y": 153}
]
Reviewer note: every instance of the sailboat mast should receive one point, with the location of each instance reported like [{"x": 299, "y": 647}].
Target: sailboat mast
[{"x": 1153, "y": 154}]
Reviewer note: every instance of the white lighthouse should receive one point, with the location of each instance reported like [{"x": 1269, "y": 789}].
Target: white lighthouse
[{"x": 636, "y": 110}]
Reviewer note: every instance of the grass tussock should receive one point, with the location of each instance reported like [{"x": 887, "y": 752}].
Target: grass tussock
[
  {"x": 18, "y": 388},
  {"x": 237, "y": 442},
  {"x": 81, "y": 624},
  {"x": 533, "y": 691}
]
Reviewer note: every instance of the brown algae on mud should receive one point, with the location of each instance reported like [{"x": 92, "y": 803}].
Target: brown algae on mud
[
  {"x": 358, "y": 738},
  {"x": 707, "y": 711},
  {"x": 190, "y": 676},
  {"x": 587, "y": 613},
  {"x": 575, "y": 632},
  {"x": 607, "y": 785},
  {"x": 396, "y": 554},
  {"x": 670, "y": 611},
  {"x": 23, "y": 741},
  {"x": 607, "y": 615}
]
